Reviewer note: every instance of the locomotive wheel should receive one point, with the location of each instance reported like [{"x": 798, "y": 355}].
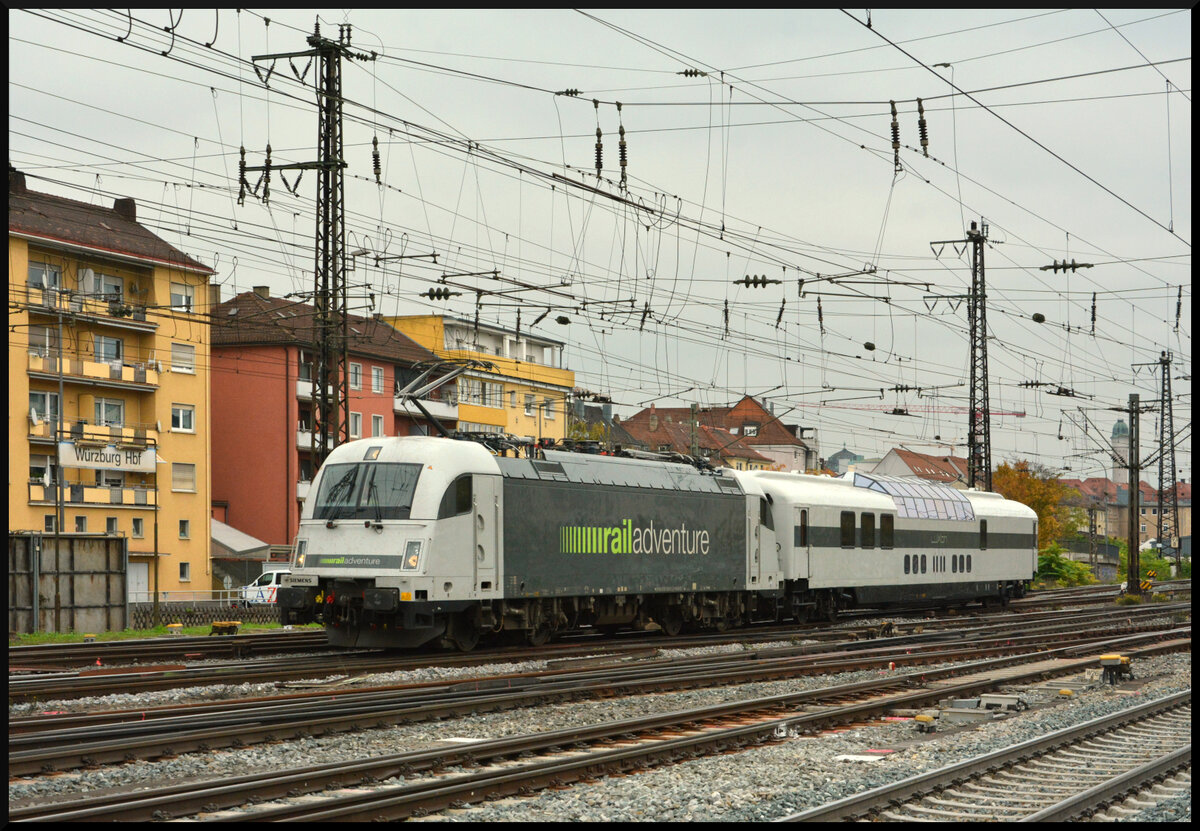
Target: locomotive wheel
[
  {"x": 671, "y": 621},
  {"x": 539, "y": 635},
  {"x": 465, "y": 636}
]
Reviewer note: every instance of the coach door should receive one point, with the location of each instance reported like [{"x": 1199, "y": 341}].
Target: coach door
[
  {"x": 801, "y": 542},
  {"x": 487, "y": 530},
  {"x": 765, "y": 558}
]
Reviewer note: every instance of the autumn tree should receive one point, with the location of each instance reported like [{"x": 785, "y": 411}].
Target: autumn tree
[{"x": 1038, "y": 488}]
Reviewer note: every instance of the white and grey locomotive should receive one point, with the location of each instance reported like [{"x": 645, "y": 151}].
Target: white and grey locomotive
[{"x": 411, "y": 540}]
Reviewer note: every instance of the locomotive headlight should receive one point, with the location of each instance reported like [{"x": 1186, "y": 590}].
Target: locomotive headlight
[
  {"x": 412, "y": 556},
  {"x": 301, "y": 551}
]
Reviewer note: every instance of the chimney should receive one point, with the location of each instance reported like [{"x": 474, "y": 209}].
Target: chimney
[
  {"x": 214, "y": 294},
  {"x": 16, "y": 180},
  {"x": 126, "y": 209},
  {"x": 263, "y": 291}
]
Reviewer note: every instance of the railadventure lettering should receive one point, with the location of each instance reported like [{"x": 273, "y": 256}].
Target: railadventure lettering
[{"x": 626, "y": 539}]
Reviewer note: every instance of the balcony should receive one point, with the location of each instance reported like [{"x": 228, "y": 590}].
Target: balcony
[
  {"x": 132, "y": 435},
  {"x": 302, "y": 489},
  {"x": 121, "y": 313},
  {"x": 441, "y": 404},
  {"x": 79, "y": 494},
  {"x": 77, "y": 370}
]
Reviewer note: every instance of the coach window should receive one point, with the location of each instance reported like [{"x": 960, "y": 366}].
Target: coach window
[
  {"x": 906, "y": 564},
  {"x": 922, "y": 563},
  {"x": 982, "y": 534},
  {"x": 847, "y": 529},
  {"x": 764, "y": 515},
  {"x": 887, "y": 530},
  {"x": 800, "y": 532},
  {"x": 968, "y": 562},
  {"x": 954, "y": 562},
  {"x": 868, "y": 530},
  {"x": 457, "y": 499}
]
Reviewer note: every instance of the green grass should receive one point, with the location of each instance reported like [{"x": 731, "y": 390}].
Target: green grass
[{"x": 38, "y": 638}]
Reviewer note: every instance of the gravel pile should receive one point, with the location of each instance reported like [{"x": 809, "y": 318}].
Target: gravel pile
[{"x": 759, "y": 784}]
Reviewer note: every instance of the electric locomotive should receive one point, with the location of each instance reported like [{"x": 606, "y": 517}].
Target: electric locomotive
[{"x": 412, "y": 540}]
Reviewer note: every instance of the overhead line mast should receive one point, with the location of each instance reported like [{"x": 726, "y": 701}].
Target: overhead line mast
[{"x": 331, "y": 399}]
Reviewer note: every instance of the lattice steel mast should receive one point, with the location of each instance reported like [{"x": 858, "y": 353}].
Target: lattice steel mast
[
  {"x": 1168, "y": 493},
  {"x": 331, "y": 400}
]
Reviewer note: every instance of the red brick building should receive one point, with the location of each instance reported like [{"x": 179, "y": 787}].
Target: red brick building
[{"x": 262, "y": 405}]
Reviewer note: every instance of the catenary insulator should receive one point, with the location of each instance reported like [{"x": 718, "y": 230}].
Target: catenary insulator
[
  {"x": 923, "y": 128},
  {"x": 375, "y": 157},
  {"x": 599, "y": 152}
]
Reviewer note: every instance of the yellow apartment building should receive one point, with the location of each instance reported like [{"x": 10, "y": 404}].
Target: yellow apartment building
[
  {"x": 108, "y": 385},
  {"x": 526, "y": 395}
]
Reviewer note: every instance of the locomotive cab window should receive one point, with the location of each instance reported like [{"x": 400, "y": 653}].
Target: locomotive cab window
[
  {"x": 868, "y": 530},
  {"x": 366, "y": 491},
  {"x": 887, "y": 530},
  {"x": 457, "y": 499},
  {"x": 982, "y": 534},
  {"x": 847, "y": 529}
]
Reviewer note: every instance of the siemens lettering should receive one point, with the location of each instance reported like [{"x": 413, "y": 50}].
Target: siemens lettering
[{"x": 625, "y": 539}]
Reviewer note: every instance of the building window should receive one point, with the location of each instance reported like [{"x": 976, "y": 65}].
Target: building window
[
  {"x": 355, "y": 425},
  {"x": 306, "y": 365},
  {"x": 81, "y": 525},
  {"x": 110, "y": 288},
  {"x": 376, "y": 379},
  {"x": 110, "y": 525},
  {"x": 43, "y": 340},
  {"x": 548, "y": 408},
  {"x": 183, "y": 357},
  {"x": 48, "y": 521},
  {"x": 512, "y": 399},
  {"x": 110, "y": 478},
  {"x": 185, "y": 529},
  {"x": 306, "y": 469},
  {"x": 43, "y": 470},
  {"x": 183, "y": 297},
  {"x": 183, "y": 476},
  {"x": 139, "y": 527},
  {"x": 183, "y": 418},
  {"x": 376, "y": 425},
  {"x": 43, "y": 407},
  {"x": 110, "y": 412},
  {"x": 356, "y": 376},
  {"x": 847, "y": 529},
  {"x": 44, "y": 276},
  {"x": 529, "y": 399},
  {"x": 749, "y": 429},
  {"x": 185, "y": 572},
  {"x": 109, "y": 350}
]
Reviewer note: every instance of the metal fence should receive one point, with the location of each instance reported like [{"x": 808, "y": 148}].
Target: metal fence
[{"x": 199, "y": 612}]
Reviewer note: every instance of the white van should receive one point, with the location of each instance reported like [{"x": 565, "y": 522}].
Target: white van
[{"x": 263, "y": 589}]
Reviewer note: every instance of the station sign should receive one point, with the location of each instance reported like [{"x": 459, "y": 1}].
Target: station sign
[{"x": 109, "y": 457}]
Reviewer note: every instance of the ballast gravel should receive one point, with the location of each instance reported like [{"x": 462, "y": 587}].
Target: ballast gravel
[{"x": 758, "y": 784}]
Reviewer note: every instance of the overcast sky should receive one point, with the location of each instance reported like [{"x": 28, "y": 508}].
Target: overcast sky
[{"x": 1067, "y": 132}]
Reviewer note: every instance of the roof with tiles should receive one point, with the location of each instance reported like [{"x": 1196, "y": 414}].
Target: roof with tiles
[
  {"x": 250, "y": 318},
  {"x": 934, "y": 468},
  {"x": 115, "y": 230},
  {"x": 678, "y": 437}
]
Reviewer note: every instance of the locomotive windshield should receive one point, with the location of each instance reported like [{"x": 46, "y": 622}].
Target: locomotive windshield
[{"x": 373, "y": 490}]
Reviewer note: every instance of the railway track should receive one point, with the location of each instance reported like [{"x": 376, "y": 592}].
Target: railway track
[
  {"x": 457, "y": 776},
  {"x": 1065, "y": 775},
  {"x": 57, "y": 686},
  {"x": 55, "y": 742}
]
